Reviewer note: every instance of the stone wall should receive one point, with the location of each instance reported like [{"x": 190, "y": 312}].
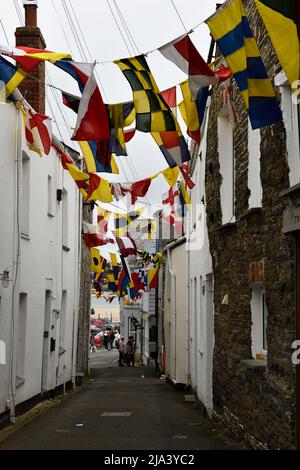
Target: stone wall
[{"x": 257, "y": 406}]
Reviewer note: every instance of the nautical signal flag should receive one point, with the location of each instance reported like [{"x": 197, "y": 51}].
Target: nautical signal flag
[
  {"x": 171, "y": 175},
  {"x": 30, "y": 57},
  {"x": 153, "y": 277},
  {"x": 120, "y": 115},
  {"x": 170, "y": 98},
  {"x": 38, "y": 132},
  {"x": 282, "y": 20},
  {"x": 183, "y": 53},
  {"x": 80, "y": 71},
  {"x": 137, "y": 189},
  {"x": 231, "y": 30},
  {"x": 193, "y": 112},
  {"x": 173, "y": 147},
  {"x": 11, "y": 77},
  {"x": 115, "y": 267},
  {"x": 172, "y": 144},
  {"x": 152, "y": 112},
  {"x": 99, "y": 189},
  {"x": 102, "y": 219},
  {"x": 122, "y": 221},
  {"x": 97, "y": 262},
  {"x": 92, "y": 159},
  {"x": 93, "y": 237},
  {"x": 126, "y": 246},
  {"x": 98, "y": 154},
  {"x": 71, "y": 101},
  {"x": 92, "y": 119},
  {"x": 184, "y": 169},
  {"x": 81, "y": 179}
]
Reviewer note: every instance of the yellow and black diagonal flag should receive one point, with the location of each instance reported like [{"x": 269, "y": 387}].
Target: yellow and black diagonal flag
[{"x": 152, "y": 112}]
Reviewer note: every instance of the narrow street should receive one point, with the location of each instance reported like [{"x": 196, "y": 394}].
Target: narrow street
[{"x": 120, "y": 408}]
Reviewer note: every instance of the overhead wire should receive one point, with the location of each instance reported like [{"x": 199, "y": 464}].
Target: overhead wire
[
  {"x": 134, "y": 46},
  {"x": 129, "y": 35},
  {"x": 179, "y": 16},
  {"x": 87, "y": 47},
  {"x": 83, "y": 55},
  {"x": 22, "y": 21}
]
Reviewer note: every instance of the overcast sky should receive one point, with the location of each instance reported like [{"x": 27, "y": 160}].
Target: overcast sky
[{"x": 151, "y": 25}]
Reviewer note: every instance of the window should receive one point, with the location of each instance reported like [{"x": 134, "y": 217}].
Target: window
[
  {"x": 21, "y": 335},
  {"x": 254, "y": 181},
  {"x": 290, "y": 113},
  {"x": 25, "y": 195},
  {"x": 50, "y": 210},
  {"x": 227, "y": 168},
  {"x": 259, "y": 314},
  {"x": 65, "y": 221}
]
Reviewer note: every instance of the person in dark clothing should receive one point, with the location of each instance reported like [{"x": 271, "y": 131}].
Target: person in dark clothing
[
  {"x": 130, "y": 351},
  {"x": 112, "y": 338}
]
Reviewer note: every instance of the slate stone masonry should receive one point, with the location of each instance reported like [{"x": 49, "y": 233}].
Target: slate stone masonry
[{"x": 256, "y": 405}]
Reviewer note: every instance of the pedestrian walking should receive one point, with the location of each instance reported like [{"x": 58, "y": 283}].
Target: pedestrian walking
[
  {"x": 106, "y": 339},
  {"x": 112, "y": 338},
  {"x": 120, "y": 344},
  {"x": 130, "y": 351}
]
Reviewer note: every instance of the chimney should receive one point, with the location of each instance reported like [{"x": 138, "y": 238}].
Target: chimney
[{"x": 33, "y": 89}]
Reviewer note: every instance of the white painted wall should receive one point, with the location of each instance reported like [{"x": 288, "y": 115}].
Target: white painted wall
[
  {"x": 290, "y": 111},
  {"x": 200, "y": 298},
  {"x": 176, "y": 317},
  {"x": 42, "y": 265},
  {"x": 254, "y": 181},
  {"x": 227, "y": 168}
]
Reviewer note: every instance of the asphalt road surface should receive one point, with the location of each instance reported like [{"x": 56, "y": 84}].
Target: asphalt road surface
[{"x": 120, "y": 409}]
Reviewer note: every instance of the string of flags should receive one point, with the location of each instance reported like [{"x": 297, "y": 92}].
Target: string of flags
[
  {"x": 118, "y": 279},
  {"x": 103, "y": 129}
]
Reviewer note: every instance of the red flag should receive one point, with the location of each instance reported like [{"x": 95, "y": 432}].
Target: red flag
[
  {"x": 92, "y": 237},
  {"x": 92, "y": 120},
  {"x": 126, "y": 246},
  {"x": 38, "y": 131},
  {"x": 184, "y": 171}
]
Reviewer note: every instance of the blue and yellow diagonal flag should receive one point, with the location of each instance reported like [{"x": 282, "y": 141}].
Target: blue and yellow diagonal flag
[
  {"x": 11, "y": 77},
  {"x": 231, "y": 30},
  {"x": 92, "y": 161}
]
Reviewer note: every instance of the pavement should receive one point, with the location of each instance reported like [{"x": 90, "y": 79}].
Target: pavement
[{"x": 119, "y": 409}]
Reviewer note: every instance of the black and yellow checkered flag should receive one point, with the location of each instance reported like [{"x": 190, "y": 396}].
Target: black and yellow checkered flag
[{"x": 152, "y": 112}]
